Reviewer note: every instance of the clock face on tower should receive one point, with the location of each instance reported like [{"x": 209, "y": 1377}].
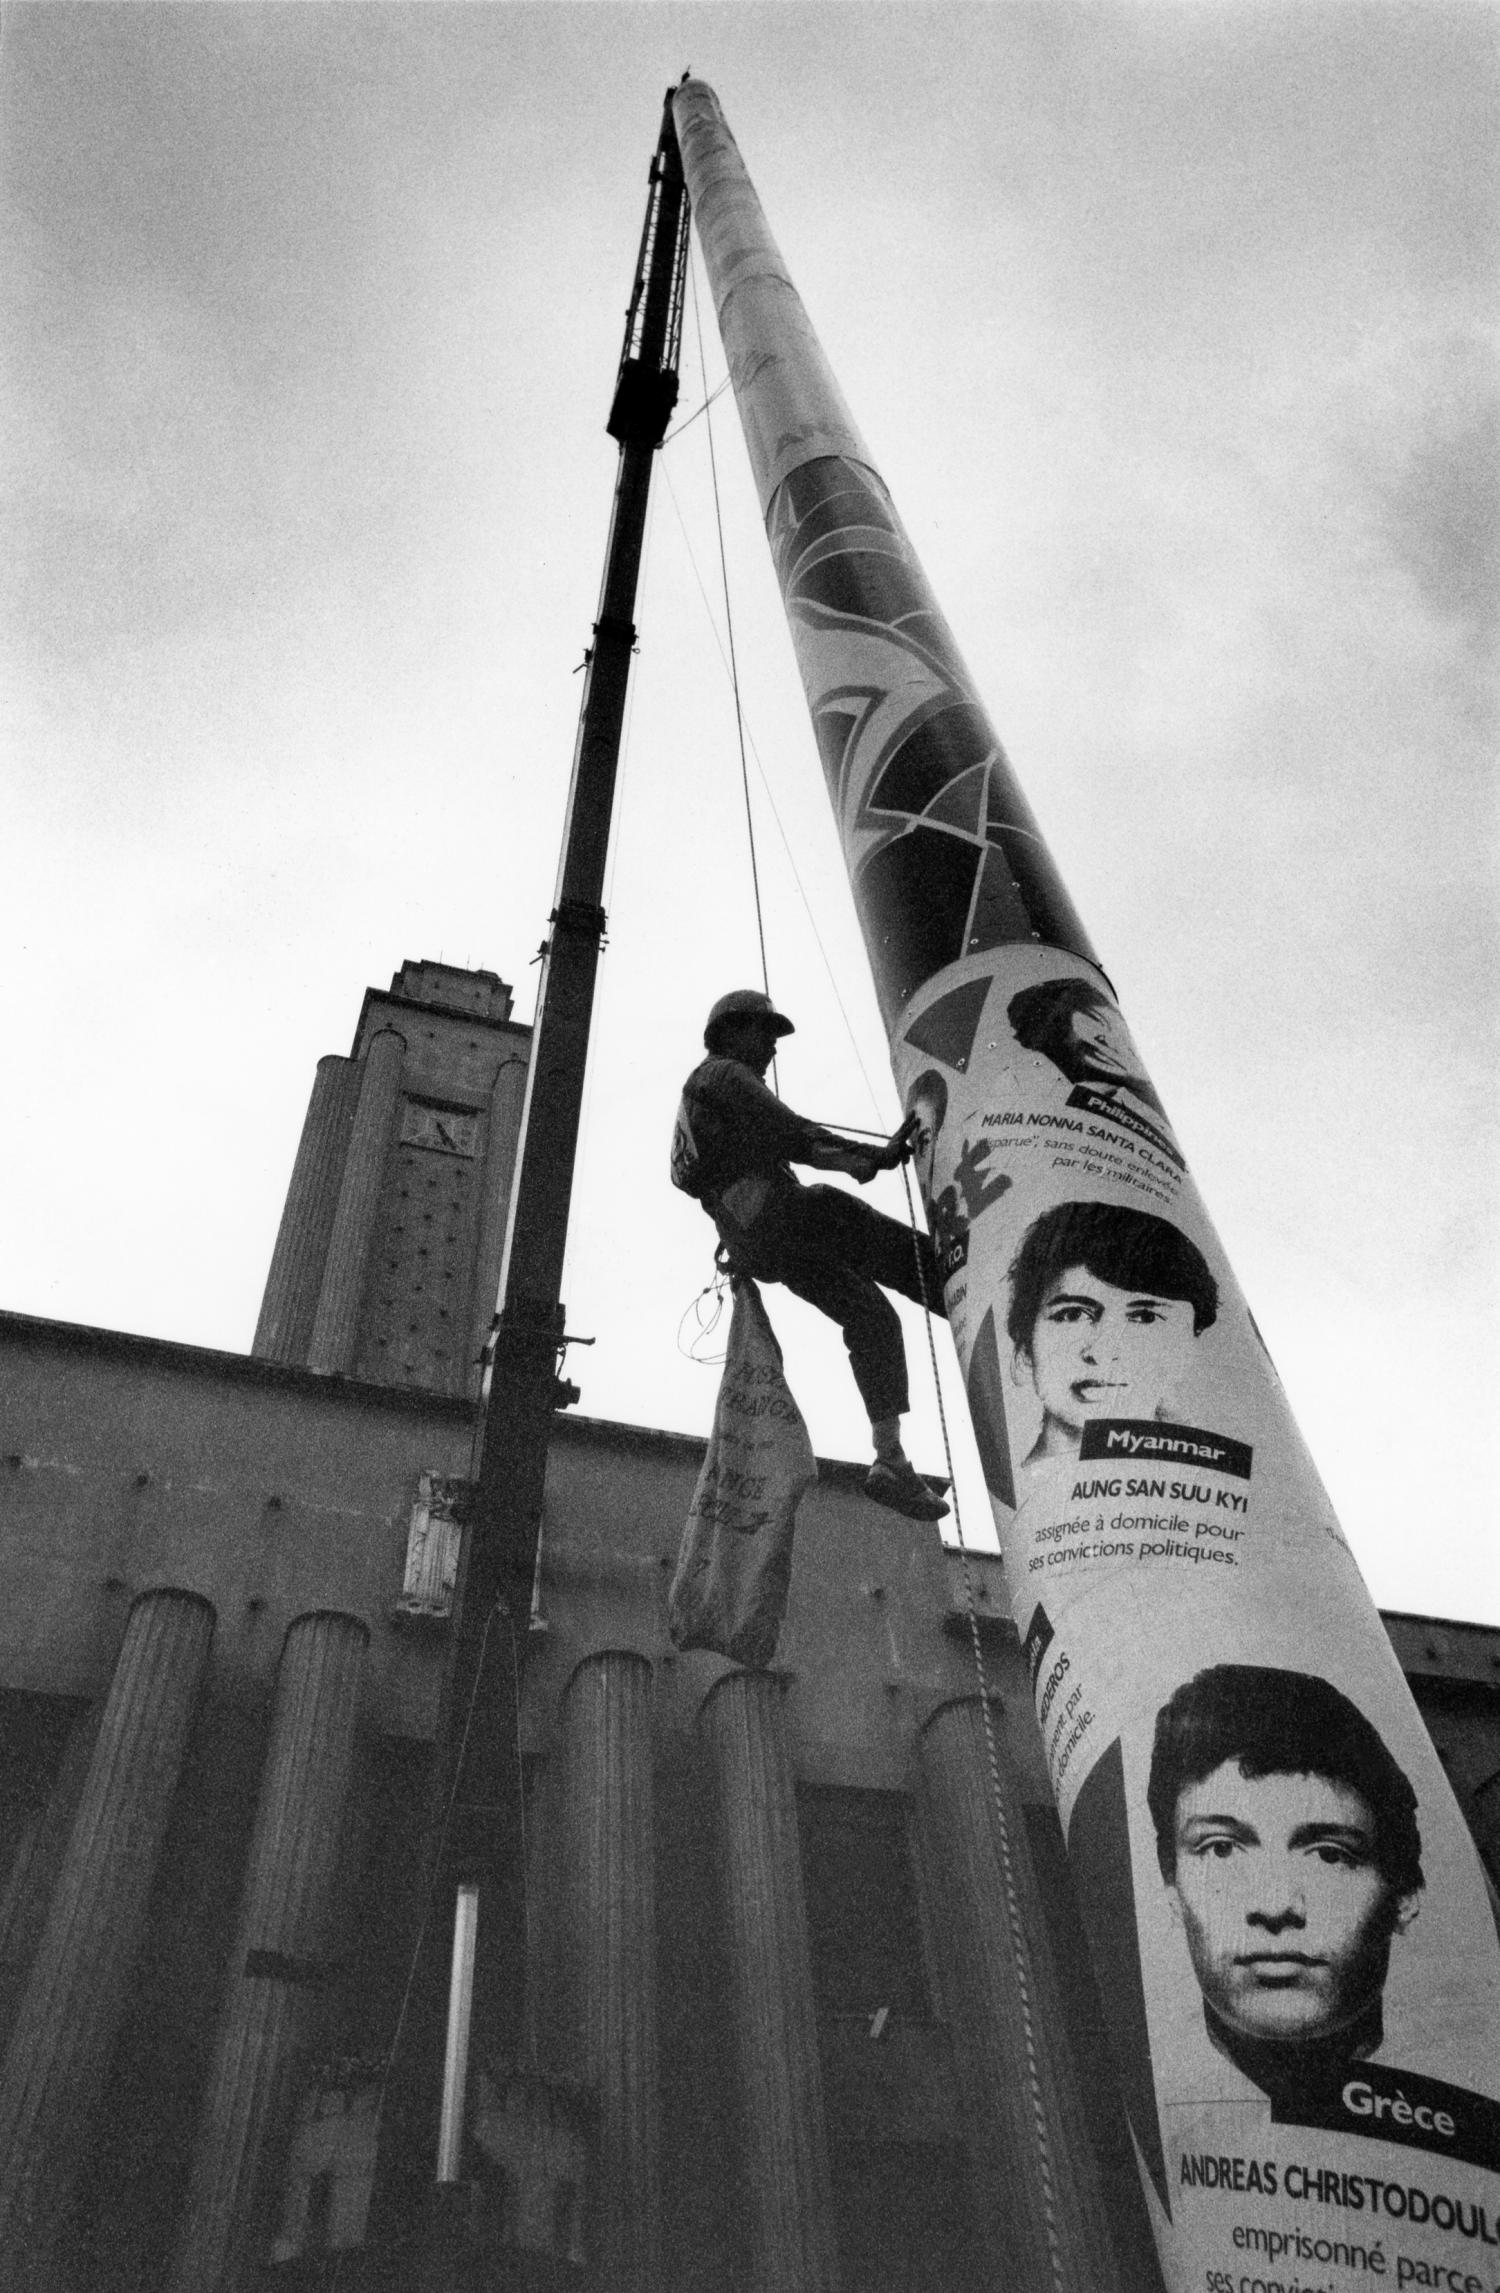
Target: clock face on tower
[{"x": 443, "y": 1128}]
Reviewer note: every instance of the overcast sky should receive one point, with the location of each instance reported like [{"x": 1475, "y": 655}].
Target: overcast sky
[{"x": 1172, "y": 329}]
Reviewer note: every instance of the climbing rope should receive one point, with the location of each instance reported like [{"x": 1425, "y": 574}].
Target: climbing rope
[
  {"x": 1015, "y": 1924},
  {"x": 1013, "y": 1918},
  {"x": 734, "y": 673},
  {"x": 743, "y": 734},
  {"x": 748, "y": 735}
]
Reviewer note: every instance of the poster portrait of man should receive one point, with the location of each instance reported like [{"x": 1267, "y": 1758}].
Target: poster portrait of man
[
  {"x": 1287, "y": 1840},
  {"x": 976, "y": 1184},
  {"x": 928, "y": 1101}
]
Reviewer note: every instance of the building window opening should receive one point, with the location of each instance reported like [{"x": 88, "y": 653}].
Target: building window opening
[
  {"x": 318, "y": 2235},
  {"x": 1484, "y": 1819},
  {"x": 905, "y": 2219},
  {"x": 565, "y": 2223},
  {"x": 864, "y": 1924}
]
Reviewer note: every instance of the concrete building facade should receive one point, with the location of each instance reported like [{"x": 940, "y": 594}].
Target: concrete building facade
[{"x": 788, "y": 1991}]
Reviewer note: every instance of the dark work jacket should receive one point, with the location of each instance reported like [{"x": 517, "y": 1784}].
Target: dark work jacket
[{"x": 731, "y": 1127}]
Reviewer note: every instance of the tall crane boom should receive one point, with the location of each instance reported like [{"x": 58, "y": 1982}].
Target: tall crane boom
[
  {"x": 525, "y": 1388},
  {"x": 475, "y": 1825}
]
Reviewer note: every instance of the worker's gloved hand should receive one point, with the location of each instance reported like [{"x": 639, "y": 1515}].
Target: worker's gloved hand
[
  {"x": 863, "y": 1162},
  {"x": 898, "y": 1147}
]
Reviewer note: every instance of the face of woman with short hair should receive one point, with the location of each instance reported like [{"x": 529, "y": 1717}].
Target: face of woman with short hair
[
  {"x": 1099, "y": 1351},
  {"x": 1287, "y": 1917}
]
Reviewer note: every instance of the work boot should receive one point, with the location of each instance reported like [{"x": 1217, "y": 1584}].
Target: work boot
[{"x": 895, "y": 1481}]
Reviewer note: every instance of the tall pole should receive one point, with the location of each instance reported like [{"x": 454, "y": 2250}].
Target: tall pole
[
  {"x": 475, "y": 1799},
  {"x": 1288, "y": 1919}
]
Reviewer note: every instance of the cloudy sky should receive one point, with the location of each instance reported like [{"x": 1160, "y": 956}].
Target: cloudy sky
[{"x": 1172, "y": 329}]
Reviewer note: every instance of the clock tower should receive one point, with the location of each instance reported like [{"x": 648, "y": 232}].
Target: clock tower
[{"x": 387, "y": 1262}]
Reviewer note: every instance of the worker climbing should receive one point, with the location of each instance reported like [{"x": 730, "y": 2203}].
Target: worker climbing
[{"x": 733, "y": 1148}]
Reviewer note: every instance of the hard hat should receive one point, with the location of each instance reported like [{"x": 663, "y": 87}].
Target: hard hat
[{"x": 744, "y": 1003}]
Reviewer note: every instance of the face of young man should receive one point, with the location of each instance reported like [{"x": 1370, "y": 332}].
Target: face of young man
[
  {"x": 1288, "y": 1921},
  {"x": 1100, "y": 1351},
  {"x": 750, "y": 1039},
  {"x": 929, "y": 1122}
]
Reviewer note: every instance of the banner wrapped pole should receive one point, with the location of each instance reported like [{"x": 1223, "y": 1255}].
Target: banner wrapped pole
[{"x": 1289, "y": 1922}]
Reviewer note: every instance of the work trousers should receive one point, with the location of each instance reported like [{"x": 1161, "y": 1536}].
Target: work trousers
[{"x": 840, "y": 1255}]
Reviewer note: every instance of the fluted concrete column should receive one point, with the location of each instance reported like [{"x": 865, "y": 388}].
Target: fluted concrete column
[
  {"x": 606, "y": 1730},
  {"x": 787, "y": 2185},
  {"x": 336, "y": 1323},
  {"x": 35, "y": 1866},
  {"x": 1037, "y": 2179},
  {"x": 70, "y": 2010},
  {"x": 280, "y": 1945},
  {"x": 289, "y": 1307}
]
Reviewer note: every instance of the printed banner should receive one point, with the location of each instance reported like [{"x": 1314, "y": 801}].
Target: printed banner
[
  {"x": 1288, "y": 1919},
  {"x": 729, "y": 1589}
]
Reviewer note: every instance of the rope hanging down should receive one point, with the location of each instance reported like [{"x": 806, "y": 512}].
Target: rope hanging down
[
  {"x": 734, "y": 672},
  {"x": 1014, "y": 1921}
]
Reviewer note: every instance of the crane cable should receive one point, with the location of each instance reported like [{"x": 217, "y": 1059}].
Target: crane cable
[
  {"x": 767, "y": 792},
  {"x": 746, "y": 737},
  {"x": 1014, "y": 1921},
  {"x": 734, "y": 673}
]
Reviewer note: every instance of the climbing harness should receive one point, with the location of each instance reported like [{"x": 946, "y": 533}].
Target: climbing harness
[{"x": 706, "y": 1318}]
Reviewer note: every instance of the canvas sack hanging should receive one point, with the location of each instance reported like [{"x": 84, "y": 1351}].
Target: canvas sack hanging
[{"x": 729, "y": 1592}]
